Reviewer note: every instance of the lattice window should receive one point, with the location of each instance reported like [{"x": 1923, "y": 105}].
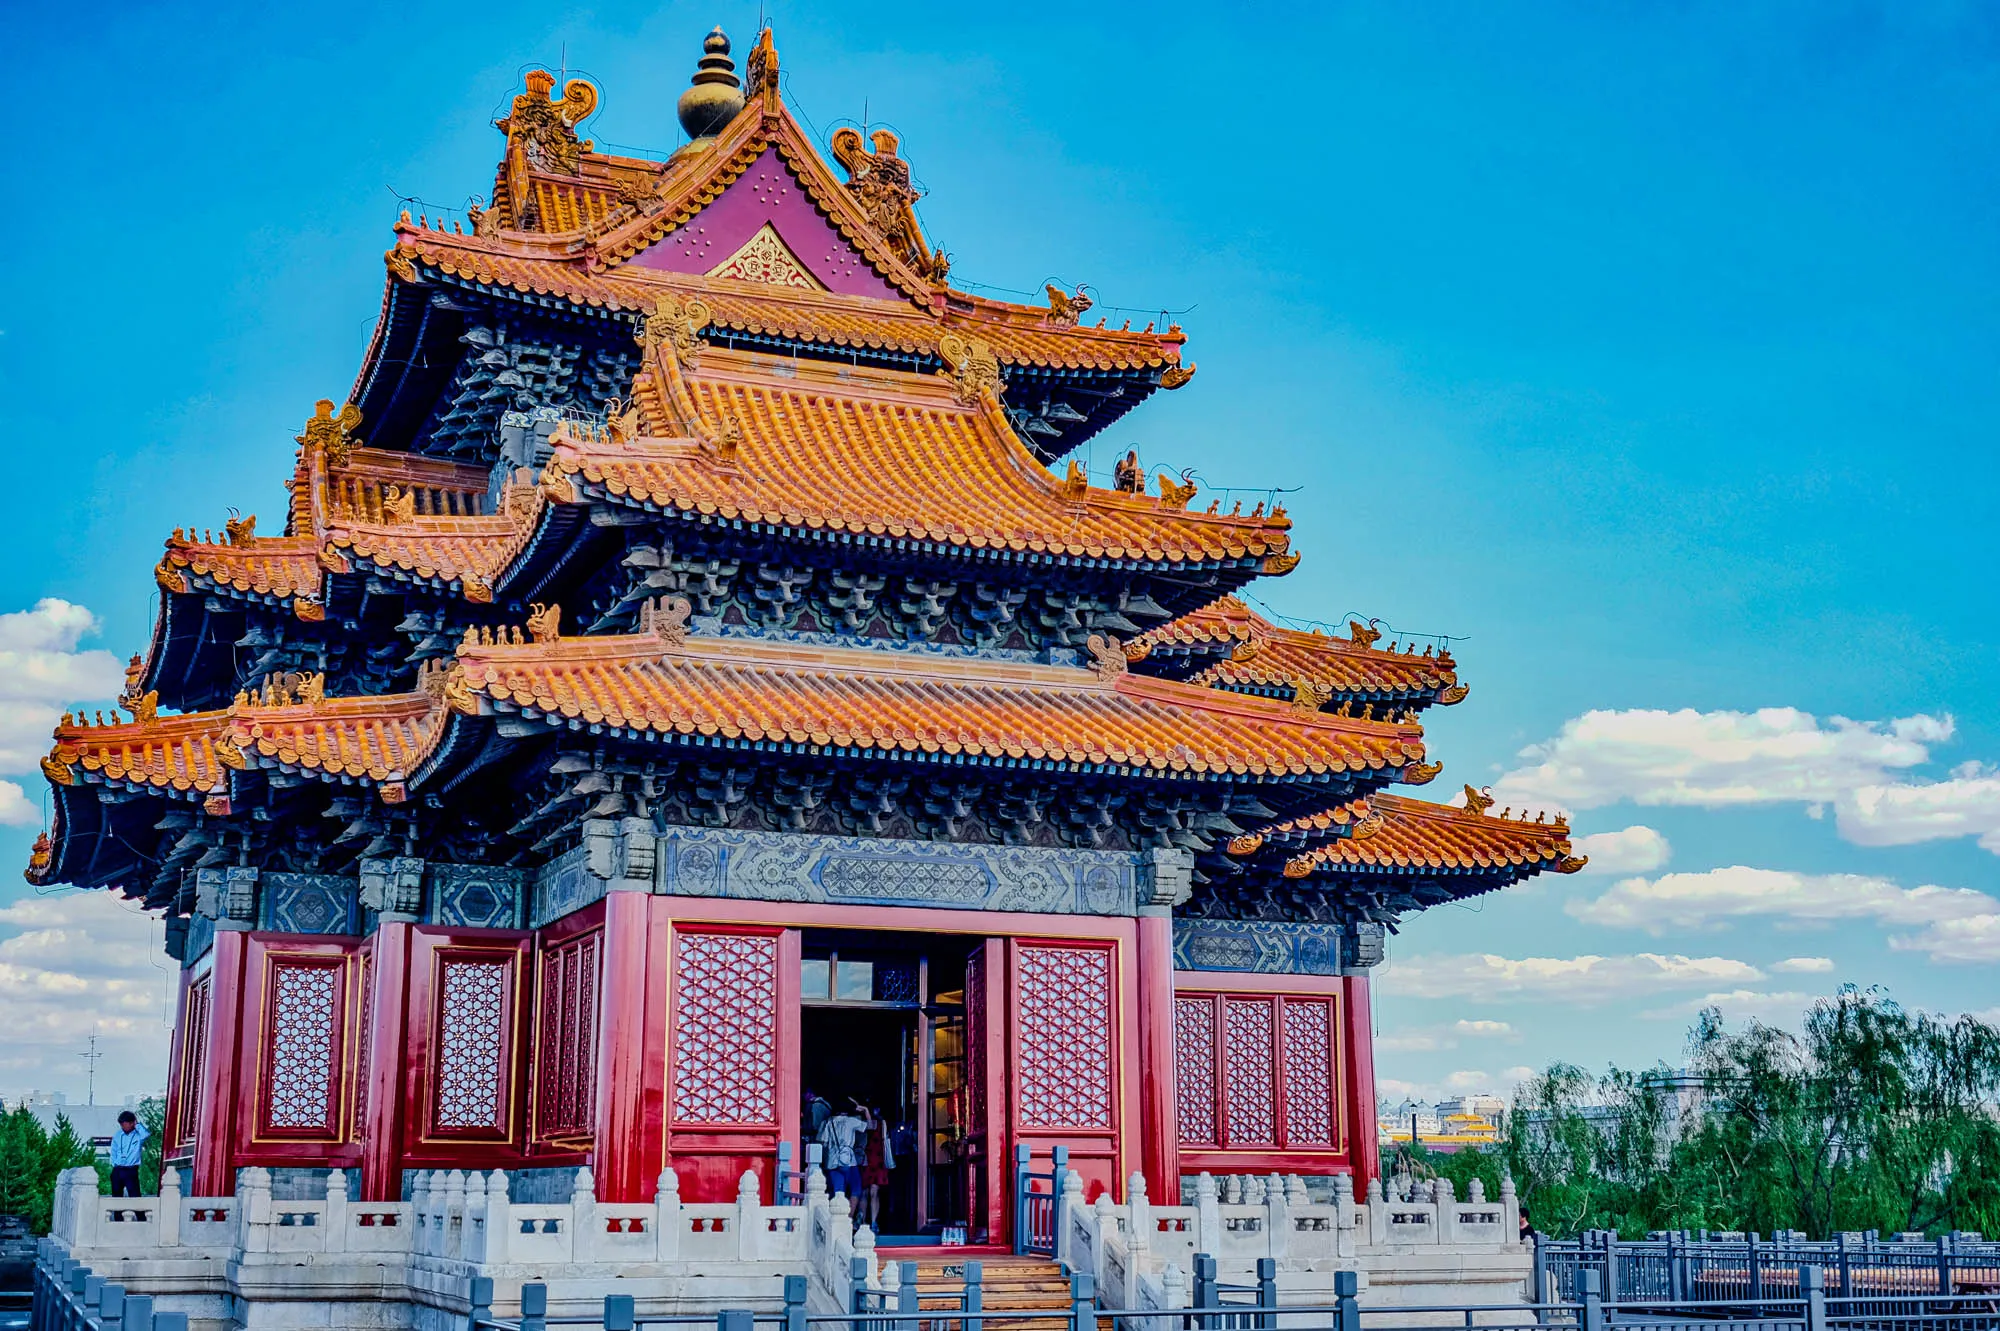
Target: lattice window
[
  {"x": 364, "y": 1034},
  {"x": 1194, "y": 1069},
  {"x": 1063, "y": 997},
  {"x": 566, "y": 1052},
  {"x": 1309, "y": 1082},
  {"x": 194, "y": 1060},
  {"x": 1249, "y": 1097},
  {"x": 726, "y": 1029},
  {"x": 300, "y": 1045},
  {"x": 471, "y": 1045}
]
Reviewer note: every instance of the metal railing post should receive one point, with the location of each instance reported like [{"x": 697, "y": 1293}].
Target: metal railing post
[
  {"x": 1612, "y": 1284},
  {"x": 1539, "y": 1291},
  {"x": 534, "y": 1306},
  {"x": 479, "y": 1302},
  {"x": 1814, "y": 1289},
  {"x": 1346, "y": 1289},
  {"x": 1082, "y": 1301},
  {"x": 782, "y": 1193},
  {"x": 170, "y": 1322},
  {"x": 1756, "y": 1276},
  {"x": 138, "y": 1312},
  {"x": 1840, "y": 1249},
  {"x": 1021, "y": 1155},
  {"x": 1267, "y": 1291},
  {"x": 974, "y": 1301},
  {"x": 1593, "y": 1300},
  {"x": 1943, "y": 1264},
  {"x": 111, "y": 1307},
  {"x": 906, "y": 1294},
  {"x": 795, "y": 1303},
  {"x": 736, "y": 1319},
  {"x": 1206, "y": 1296},
  {"x": 857, "y": 1284},
  {"x": 619, "y": 1312}
]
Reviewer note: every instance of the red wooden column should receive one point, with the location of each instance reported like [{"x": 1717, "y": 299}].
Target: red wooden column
[
  {"x": 630, "y": 1102},
  {"x": 382, "y": 1124},
  {"x": 1159, "y": 1118},
  {"x": 1360, "y": 1107},
  {"x": 215, "y": 1134}
]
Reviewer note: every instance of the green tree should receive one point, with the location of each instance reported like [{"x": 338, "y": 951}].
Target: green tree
[{"x": 31, "y": 1159}]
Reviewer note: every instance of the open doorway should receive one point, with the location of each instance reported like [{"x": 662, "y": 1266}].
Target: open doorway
[{"x": 881, "y": 1035}]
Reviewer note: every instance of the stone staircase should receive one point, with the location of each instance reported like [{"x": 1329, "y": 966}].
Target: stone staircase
[{"x": 1012, "y": 1284}]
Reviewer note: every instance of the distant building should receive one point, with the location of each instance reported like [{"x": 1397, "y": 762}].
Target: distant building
[
  {"x": 1449, "y": 1125},
  {"x": 91, "y": 1123}
]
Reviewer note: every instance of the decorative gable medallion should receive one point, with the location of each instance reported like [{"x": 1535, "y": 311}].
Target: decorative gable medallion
[{"x": 766, "y": 258}]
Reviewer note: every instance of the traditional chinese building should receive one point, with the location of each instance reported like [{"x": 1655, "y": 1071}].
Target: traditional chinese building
[{"x": 569, "y": 782}]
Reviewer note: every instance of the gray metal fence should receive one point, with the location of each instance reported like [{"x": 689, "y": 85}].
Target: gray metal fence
[
  {"x": 1752, "y": 1270},
  {"x": 69, "y": 1296}
]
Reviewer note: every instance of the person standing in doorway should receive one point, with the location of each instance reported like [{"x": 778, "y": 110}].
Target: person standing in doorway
[
  {"x": 839, "y": 1138},
  {"x": 126, "y": 1144},
  {"x": 877, "y": 1159}
]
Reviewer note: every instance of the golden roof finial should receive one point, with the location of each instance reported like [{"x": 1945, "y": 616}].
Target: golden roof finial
[{"x": 715, "y": 96}]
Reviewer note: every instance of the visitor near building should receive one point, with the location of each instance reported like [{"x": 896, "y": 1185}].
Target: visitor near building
[{"x": 126, "y": 1145}]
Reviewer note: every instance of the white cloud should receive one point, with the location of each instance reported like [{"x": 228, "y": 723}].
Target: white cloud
[
  {"x": 79, "y": 964},
  {"x": 1484, "y": 975},
  {"x": 1484, "y": 1029},
  {"x": 1804, "y": 965},
  {"x": 16, "y": 809},
  {"x": 1773, "y": 1009},
  {"x": 1390, "y": 1091},
  {"x": 1430, "y": 1039},
  {"x": 1968, "y": 939},
  {"x": 1716, "y": 896},
  {"x": 41, "y": 671},
  {"x": 1968, "y": 804},
  {"x": 1635, "y": 849},
  {"x": 1713, "y": 759}
]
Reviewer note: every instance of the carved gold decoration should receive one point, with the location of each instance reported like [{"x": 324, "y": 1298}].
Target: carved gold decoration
[
  {"x": 728, "y": 441},
  {"x": 544, "y": 129},
  {"x": 767, "y": 259},
  {"x": 1127, "y": 475},
  {"x": 331, "y": 435},
  {"x": 1076, "y": 482},
  {"x": 1367, "y": 827},
  {"x": 399, "y": 506},
  {"x": 311, "y": 690},
  {"x": 1418, "y": 774},
  {"x": 308, "y": 609},
  {"x": 229, "y": 755},
  {"x": 475, "y": 591},
  {"x": 1174, "y": 376},
  {"x": 1248, "y": 844},
  {"x": 673, "y": 324},
  {"x": 402, "y": 263},
  {"x": 1065, "y": 309},
  {"x": 170, "y": 577},
  {"x": 1280, "y": 563},
  {"x": 880, "y": 183},
  {"x": 39, "y": 859},
  {"x": 940, "y": 270},
  {"x": 135, "y": 672},
  {"x": 1138, "y": 650},
  {"x": 544, "y": 622},
  {"x": 1107, "y": 656},
  {"x": 1308, "y": 695},
  {"x": 431, "y": 677},
  {"x": 971, "y": 367},
  {"x": 145, "y": 707},
  {"x": 1299, "y": 866},
  {"x": 57, "y": 772},
  {"x": 622, "y": 421},
  {"x": 240, "y": 531},
  {"x": 458, "y": 694},
  {"x": 1572, "y": 863},
  {"x": 1454, "y": 695},
  {"x": 393, "y": 792},
  {"x": 1176, "y": 494},
  {"x": 1246, "y": 651},
  {"x": 1362, "y": 635},
  {"x": 1477, "y": 801},
  {"x": 333, "y": 561},
  {"x": 760, "y": 68},
  {"x": 666, "y": 618}
]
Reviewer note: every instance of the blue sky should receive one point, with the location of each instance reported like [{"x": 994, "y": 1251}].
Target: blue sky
[{"x": 1648, "y": 350}]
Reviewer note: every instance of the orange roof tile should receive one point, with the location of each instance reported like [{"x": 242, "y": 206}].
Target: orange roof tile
[
  {"x": 280, "y": 566},
  {"x": 889, "y": 453},
  {"x": 1019, "y": 335},
  {"x": 760, "y": 690},
  {"x": 379, "y": 738},
  {"x": 1265, "y": 657},
  {"x": 1394, "y": 832}
]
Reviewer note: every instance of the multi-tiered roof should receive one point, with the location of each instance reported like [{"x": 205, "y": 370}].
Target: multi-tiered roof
[{"x": 694, "y": 490}]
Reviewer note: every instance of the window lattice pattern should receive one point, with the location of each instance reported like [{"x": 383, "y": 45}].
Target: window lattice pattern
[
  {"x": 194, "y": 1060},
  {"x": 364, "y": 1036},
  {"x": 1308, "y": 1074},
  {"x": 1247, "y": 1056},
  {"x": 304, "y": 1001},
  {"x": 566, "y": 1053},
  {"x": 1065, "y": 1037},
  {"x": 472, "y": 1038},
  {"x": 726, "y": 1029},
  {"x": 1194, "y": 1069}
]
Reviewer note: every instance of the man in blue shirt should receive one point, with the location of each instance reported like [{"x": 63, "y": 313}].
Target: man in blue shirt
[{"x": 125, "y": 1146}]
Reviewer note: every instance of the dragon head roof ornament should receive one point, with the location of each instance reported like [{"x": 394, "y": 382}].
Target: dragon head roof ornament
[
  {"x": 880, "y": 183},
  {"x": 543, "y": 128}
]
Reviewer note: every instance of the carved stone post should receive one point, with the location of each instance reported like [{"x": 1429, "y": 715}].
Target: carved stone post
[
  {"x": 749, "y": 1217},
  {"x": 1447, "y": 1211},
  {"x": 335, "y": 1236},
  {"x": 1068, "y": 1206},
  {"x": 667, "y": 1214},
  {"x": 1138, "y": 1225},
  {"x": 253, "y": 1203},
  {"x": 1378, "y": 1214},
  {"x": 1277, "y": 1220},
  {"x": 499, "y": 1218},
  {"x": 1207, "y": 1214},
  {"x": 583, "y": 1227},
  {"x": 454, "y": 1213},
  {"x": 1510, "y": 1211},
  {"x": 1345, "y": 1216},
  {"x": 170, "y": 1206}
]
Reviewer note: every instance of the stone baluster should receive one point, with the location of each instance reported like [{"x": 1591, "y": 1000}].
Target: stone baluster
[
  {"x": 667, "y": 1224},
  {"x": 1105, "y": 1213},
  {"x": 253, "y": 1197},
  {"x": 1345, "y": 1216},
  {"x": 478, "y": 1233},
  {"x": 1510, "y": 1210},
  {"x": 749, "y": 1217},
  {"x": 1447, "y": 1211},
  {"x": 1069, "y": 1205},
  {"x": 1378, "y": 1214},
  {"x": 1475, "y": 1192},
  {"x": 1207, "y": 1214},
  {"x": 335, "y": 1234},
  {"x": 1138, "y": 1223},
  {"x": 583, "y": 1225},
  {"x": 1277, "y": 1220},
  {"x": 864, "y": 1248},
  {"x": 1173, "y": 1287},
  {"x": 454, "y": 1213},
  {"x": 170, "y": 1207},
  {"x": 420, "y": 1211},
  {"x": 499, "y": 1218}
]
